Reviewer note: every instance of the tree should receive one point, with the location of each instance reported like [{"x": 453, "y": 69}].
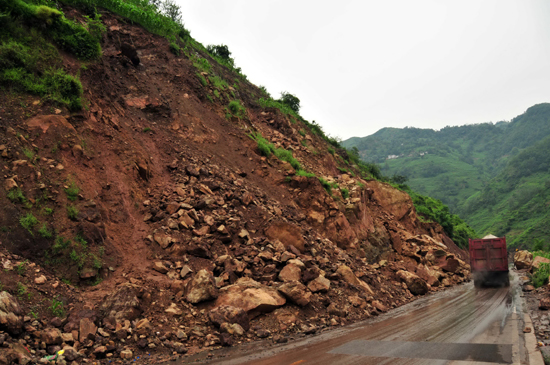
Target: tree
[
  {"x": 291, "y": 101},
  {"x": 221, "y": 51},
  {"x": 172, "y": 11}
]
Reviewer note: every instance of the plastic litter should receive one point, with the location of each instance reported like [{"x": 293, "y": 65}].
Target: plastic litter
[{"x": 54, "y": 356}]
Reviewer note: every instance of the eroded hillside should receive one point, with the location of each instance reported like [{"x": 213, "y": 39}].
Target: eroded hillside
[{"x": 155, "y": 221}]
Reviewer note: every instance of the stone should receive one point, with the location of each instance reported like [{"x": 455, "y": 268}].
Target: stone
[
  {"x": 319, "y": 284},
  {"x": 229, "y": 314},
  {"x": 201, "y": 288},
  {"x": 287, "y": 233},
  {"x": 160, "y": 267},
  {"x": 185, "y": 270},
  {"x": 544, "y": 303},
  {"x": 10, "y": 184},
  {"x": 100, "y": 352},
  {"x": 335, "y": 310},
  {"x": 143, "y": 326},
  {"x": 40, "y": 280},
  {"x": 415, "y": 284},
  {"x": 290, "y": 272},
  {"x": 11, "y": 314},
  {"x": 87, "y": 329},
  {"x": 296, "y": 292},
  {"x": 378, "y": 305},
  {"x": 347, "y": 274},
  {"x": 173, "y": 309},
  {"x": 163, "y": 240},
  {"x": 126, "y": 354},
  {"x": 232, "y": 329},
  {"x": 253, "y": 297},
  {"x": 123, "y": 303},
  {"x": 450, "y": 264},
  {"x": 523, "y": 259},
  {"x": 70, "y": 354},
  {"x": 51, "y": 336}
]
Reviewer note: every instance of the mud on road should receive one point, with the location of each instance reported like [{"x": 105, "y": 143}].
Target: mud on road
[{"x": 463, "y": 325}]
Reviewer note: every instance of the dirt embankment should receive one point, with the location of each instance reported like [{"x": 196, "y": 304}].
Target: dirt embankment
[{"x": 160, "y": 228}]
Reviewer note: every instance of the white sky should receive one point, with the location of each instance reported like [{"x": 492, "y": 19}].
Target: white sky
[{"x": 359, "y": 66}]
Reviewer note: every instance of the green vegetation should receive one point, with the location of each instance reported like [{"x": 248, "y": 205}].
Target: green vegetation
[
  {"x": 16, "y": 195},
  {"x": 45, "y": 232},
  {"x": 305, "y": 173},
  {"x": 266, "y": 149},
  {"x": 493, "y": 175},
  {"x": 235, "y": 109},
  {"x": 29, "y": 153},
  {"x": 28, "y": 222},
  {"x": 72, "y": 191},
  {"x": 146, "y": 129},
  {"x": 57, "y": 308},
  {"x": 345, "y": 193},
  {"x": 21, "y": 268},
  {"x": 72, "y": 212},
  {"x": 30, "y": 63},
  {"x": 60, "y": 244}
]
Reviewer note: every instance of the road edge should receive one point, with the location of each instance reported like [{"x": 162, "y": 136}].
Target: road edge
[{"x": 533, "y": 352}]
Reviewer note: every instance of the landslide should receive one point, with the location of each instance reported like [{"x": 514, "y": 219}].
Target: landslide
[{"x": 154, "y": 221}]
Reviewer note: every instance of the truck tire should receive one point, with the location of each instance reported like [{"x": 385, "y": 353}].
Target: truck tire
[{"x": 477, "y": 283}]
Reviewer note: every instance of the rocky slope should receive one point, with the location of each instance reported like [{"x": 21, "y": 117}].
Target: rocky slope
[{"x": 159, "y": 228}]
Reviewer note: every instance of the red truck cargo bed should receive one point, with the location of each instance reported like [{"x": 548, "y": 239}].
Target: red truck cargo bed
[
  {"x": 488, "y": 254},
  {"x": 489, "y": 261}
]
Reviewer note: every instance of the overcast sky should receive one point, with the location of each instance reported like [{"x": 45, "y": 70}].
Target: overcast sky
[{"x": 359, "y": 66}]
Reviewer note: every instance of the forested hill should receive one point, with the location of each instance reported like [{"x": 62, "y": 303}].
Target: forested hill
[{"x": 473, "y": 168}]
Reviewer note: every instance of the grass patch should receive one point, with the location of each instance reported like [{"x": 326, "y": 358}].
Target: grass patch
[
  {"x": 72, "y": 212},
  {"x": 540, "y": 277},
  {"x": 28, "y": 222},
  {"x": 304, "y": 142},
  {"x": 16, "y": 195},
  {"x": 305, "y": 173},
  {"x": 236, "y": 109},
  {"x": 57, "y": 308},
  {"x": 60, "y": 244},
  {"x": 266, "y": 149},
  {"x": 345, "y": 193},
  {"x": 72, "y": 191},
  {"x": 45, "y": 232}
]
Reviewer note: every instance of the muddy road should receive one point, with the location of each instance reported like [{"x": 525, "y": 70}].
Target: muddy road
[{"x": 462, "y": 325}]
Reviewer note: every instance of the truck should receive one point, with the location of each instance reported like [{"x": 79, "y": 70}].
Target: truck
[{"x": 489, "y": 261}]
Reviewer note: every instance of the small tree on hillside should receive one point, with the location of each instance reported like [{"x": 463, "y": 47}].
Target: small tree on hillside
[
  {"x": 172, "y": 11},
  {"x": 291, "y": 101}
]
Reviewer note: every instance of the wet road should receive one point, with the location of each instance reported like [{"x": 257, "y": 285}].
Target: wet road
[{"x": 463, "y": 325}]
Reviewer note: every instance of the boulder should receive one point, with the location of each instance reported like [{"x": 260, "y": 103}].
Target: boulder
[
  {"x": 523, "y": 260},
  {"x": 450, "y": 264},
  {"x": 319, "y": 284},
  {"x": 253, "y": 297},
  {"x": 202, "y": 287},
  {"x": 11, "y": 314},
  {"x": 296, "y": 292},
  {"x": 87, "y": 329},
  {"x": 290, "y": 272},
  {"x": 349, "y": 277},
  {"x": 544, "y": 303},
  {"x": 51, "y": 336},
  {"x": 229, "y": 314},
  {"x": 416, "y": 285},
  {"x": 123, "y": 303},
  {"x": 288, "y": 234}
]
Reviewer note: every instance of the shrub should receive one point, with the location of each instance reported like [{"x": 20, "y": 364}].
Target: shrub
[
  {"x": 175, "y": 49},
  {"x": 540, "y": 277},
  {"x": 57, "y": 308},
  {"x": 72, "y": 191},
  {"x": 236, "y": 109},
  {"x": 304, "y": 142},
  {"x": 304, "y": 173},
  {"x": 28, "y": 222},
  {"x": 345, "y": 193},
  {"x": 60, "y": 244},
  {"x": 72, "y": 212},
  {"x": 16, "y": 195},
  {"x": 287, "y": 156},
  {"x": 45, "y": 232}
]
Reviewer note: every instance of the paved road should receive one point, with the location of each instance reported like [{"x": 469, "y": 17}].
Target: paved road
[{"x": 461, "y": 326}]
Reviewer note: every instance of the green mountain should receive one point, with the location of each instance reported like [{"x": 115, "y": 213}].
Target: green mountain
[{"x": 493, "y": 175}]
